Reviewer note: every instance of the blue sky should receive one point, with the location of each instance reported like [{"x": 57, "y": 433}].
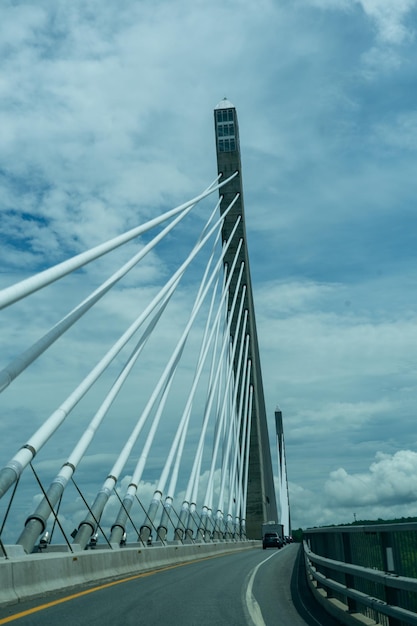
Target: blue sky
[{"x": 106, "y": 118}]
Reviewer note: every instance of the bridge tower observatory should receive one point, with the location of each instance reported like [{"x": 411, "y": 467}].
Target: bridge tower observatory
[{"x": 261, "y": 500}]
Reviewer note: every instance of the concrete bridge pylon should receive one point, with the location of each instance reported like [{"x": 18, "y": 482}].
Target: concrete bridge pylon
[{"x": 261, "y": 503}]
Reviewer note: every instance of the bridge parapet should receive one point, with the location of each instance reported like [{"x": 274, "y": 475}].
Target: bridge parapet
[
  {"x": 23, "y": 577},
  {"x": 365, "y": 574}
]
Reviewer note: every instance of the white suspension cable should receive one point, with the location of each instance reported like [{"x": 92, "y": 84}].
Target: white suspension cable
[
  {"x": 179, "y": 439},
  {"x": 165, "y": 384},
  {"x": 202, "y": 292},
  {"x": 241, "y": 449},
  {"x": 213, "y": 367},
  {"x": 160, "y": 391},
  {"x": 13, "y": 469},
  {"x": 238, "y": 424},
  {"x": 20, "y": 290},
  {"x": 207, "y": 412},
  {"x": 186, "y": 502},
  {"x": 221, "y": 388},
  {"x": 232, "y": 412},
  {"x": 20, "y": 363},
  {"x": 177, "y": 352},
  {"x": 187, "y": 412},
  {"x": 221, "y": 431},
  {"x": 36, "y": 523},
  {"x": 92, "y": 428},
  {"x": 246, "y": 472}
]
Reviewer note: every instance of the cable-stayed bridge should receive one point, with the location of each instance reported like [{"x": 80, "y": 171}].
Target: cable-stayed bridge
[
  {"x": 206, "y": 398},
  {"x": 139, "y": 431}
]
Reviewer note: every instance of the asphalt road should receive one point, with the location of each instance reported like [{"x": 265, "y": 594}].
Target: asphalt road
[{"x": 254, "y": 587}]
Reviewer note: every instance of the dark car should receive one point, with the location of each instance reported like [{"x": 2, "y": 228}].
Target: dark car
[{"x": 271, "y": 540}]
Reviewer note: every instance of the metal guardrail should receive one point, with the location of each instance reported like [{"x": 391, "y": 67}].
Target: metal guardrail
[{"x": 370, "y": 570}]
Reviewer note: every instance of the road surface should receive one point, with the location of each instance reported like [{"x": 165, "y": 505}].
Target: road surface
[{"x": 250, "y": 588}]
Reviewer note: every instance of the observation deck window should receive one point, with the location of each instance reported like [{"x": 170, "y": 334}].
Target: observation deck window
[
  {"x": 224, "y": 115},
  {"x": 226, "y": 130},
  {"x": 227, "y": 145}
]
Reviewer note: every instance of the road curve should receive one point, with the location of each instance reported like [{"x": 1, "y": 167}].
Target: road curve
[{"x": 249, "y": 588}]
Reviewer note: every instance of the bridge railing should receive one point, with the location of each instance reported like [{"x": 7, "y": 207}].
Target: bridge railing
[
  {"x": 38, "y": 574},
  {"x": 365, "y": 571}
]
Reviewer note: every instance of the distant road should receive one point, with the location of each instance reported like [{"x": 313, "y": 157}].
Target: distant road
[{"x": 254, "y": 587}]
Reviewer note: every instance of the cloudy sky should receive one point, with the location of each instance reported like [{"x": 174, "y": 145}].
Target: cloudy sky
[{"x": 106, "y": 120}]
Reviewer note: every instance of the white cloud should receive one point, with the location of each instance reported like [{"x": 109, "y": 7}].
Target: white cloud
[
  {"x": 107, "y": 120},
  {"x": 391, "y": 480},
  {"x": 323, "y": 332},
  {"x": 390, "y": 18},
  {"x": 393, "y": 29},
  {"x": 401, "y": 134},
  {"x": 387, "y": 490}
]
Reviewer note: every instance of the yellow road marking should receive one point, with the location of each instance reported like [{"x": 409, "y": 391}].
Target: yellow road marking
[{"x": 42, "y": 607}]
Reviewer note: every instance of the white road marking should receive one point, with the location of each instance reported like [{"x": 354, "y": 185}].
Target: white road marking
[{"x": 251, "y": 604}]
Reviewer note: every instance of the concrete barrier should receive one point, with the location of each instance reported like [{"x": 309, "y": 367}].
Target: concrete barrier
[
  {"x": 7, "y": 592},
  {"x": 25, "y": 577}
]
